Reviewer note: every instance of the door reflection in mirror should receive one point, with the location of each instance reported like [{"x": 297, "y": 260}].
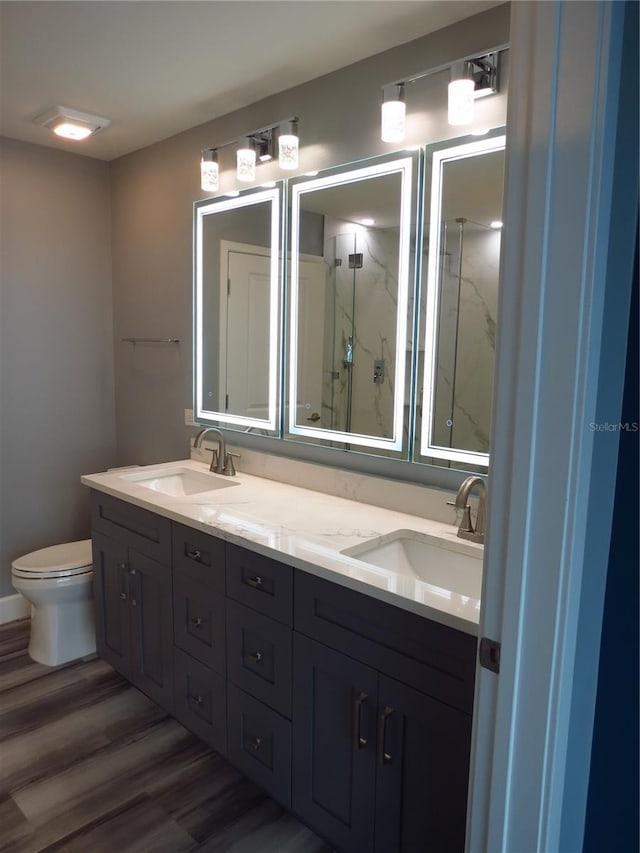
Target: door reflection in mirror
[{"x": 237, "y": 310}]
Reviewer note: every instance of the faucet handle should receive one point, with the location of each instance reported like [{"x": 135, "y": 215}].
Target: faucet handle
[{"x": 229, "y": 467}]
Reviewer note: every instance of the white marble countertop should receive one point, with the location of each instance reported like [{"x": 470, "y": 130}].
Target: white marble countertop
[{"x": 307, "y": 530}]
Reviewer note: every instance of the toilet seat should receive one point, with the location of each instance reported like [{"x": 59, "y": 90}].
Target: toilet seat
[{"x": 58, "y": 561}]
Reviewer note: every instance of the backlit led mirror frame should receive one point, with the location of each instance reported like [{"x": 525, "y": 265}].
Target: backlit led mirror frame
[
  {"x": 406, "y": 167},
  {"x": 203, "y": 410},
  {"x": 436, "y": 255}
]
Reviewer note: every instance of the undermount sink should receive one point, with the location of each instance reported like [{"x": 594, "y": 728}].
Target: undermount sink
[
  {"x": 179, "y": 482},
  {"x": 448, "y": 565}
]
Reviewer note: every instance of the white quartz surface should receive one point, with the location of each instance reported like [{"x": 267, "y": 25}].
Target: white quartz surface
[{"x": 308, "y": 530}]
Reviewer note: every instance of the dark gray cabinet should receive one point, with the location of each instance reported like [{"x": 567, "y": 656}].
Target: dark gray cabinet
[
  {"x": 377, "y": 764},
  {"x": 134, "y": 617},
  {"x": 199, "y": 621},
  {"x": 352, "y": 712},
  {"x": 334, "y": 736}
]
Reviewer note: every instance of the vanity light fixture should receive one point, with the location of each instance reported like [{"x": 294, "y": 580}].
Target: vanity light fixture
[
  {"x": 496, "y": 224},
  {"x": 471, "y": 78},
  {"x": 255, "y": 147},
  {"x": 209, "y": 171},
  {"x": 71, "y": 124},
  {"x": 393, "y": 113}
]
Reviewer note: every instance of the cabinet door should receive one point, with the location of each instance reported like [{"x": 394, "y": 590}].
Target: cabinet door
[
  {"x": 112, "y": 603},
  {"x": 422, "y": 772},
  {"x": 333, "y": 776},
  {"x": 152, "y": 628}
]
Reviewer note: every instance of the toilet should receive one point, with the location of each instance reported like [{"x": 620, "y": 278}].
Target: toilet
[{"x": 58, "y": 583}]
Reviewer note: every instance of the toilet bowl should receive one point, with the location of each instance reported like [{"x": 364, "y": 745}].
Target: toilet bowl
[{"x": 58, "y": 583}]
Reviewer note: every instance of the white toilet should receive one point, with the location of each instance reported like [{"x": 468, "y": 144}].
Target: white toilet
[{"x": 58, "y": 582}]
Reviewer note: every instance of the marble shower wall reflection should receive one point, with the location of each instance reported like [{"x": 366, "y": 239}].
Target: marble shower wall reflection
[
  {"x": 466, "y": 336},
  {"x": 360, "y": 328}
]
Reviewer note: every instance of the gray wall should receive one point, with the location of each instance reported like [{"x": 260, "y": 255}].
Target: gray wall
[
  {"x": 56, "y": 351},
  {"x": 153, "y": 191}
]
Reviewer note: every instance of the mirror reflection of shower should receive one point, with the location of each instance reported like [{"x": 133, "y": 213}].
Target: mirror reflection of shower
[
  {"x": 465, "y": 333},
  {"x": 360, "y": 328}
]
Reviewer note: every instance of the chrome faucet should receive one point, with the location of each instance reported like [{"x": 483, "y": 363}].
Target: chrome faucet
[
  {"x": 221, "y": 461},
  {"x": 466, "y": 530}
]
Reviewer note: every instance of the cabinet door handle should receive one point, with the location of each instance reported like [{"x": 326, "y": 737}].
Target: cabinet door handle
[
  {"x": 255, "y": 582},
  {"x": 194, "y": 554},
  {"x": 122, "y": 568},
  {"x": 123, "y": 596},
  {"x": 255, "y": 743},
  {"x": 256, "y": 657},
  {"x": 384, "y": 756},
  {"x": 197, "y": 700},
  {"x": 359, "y": 741},
  {"x": 197, "y": 621},
  {"x": 132, "y": 587}
]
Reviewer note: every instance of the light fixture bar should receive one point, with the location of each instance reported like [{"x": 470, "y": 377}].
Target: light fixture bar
[
  {"x": 258, "y": 145},
  {"x": 480, "y": 69}
]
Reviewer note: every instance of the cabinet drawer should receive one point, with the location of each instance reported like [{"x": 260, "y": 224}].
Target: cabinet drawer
[
  {"x": 260, "y": 744},
  {"x": 435, "y": 659},
  {"x": 259, "y": 656},
  {"x": 260, "y": 583},
  {"x": 200, "y": 700},
  {"x": 198, "y": 556},
  {"x": 130, "y": 525},
  {"x": 198, "y": 621}
]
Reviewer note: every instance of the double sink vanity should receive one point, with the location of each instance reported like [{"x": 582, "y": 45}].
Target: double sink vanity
[{"x": 325, "y": 646}]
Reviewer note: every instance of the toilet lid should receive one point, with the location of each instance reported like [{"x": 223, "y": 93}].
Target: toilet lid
[{"x": 72, "y": 558}]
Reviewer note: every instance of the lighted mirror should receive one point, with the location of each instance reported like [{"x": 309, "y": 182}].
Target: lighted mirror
[
  {"x": 352, "y": 272},
  {"x": 237, "y": 310},
  {"x": 462, "y": 233}
]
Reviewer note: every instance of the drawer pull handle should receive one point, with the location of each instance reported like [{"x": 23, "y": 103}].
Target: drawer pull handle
[
  {"x": 385, "y": 757},
  {"x": 123, "y": 596},
  {"x": 194, "y": 554},
  {"x": 133, "y": 602},
  {"x": 255, "y": 582},
  {"x": 122, "y": 566},
  {"x": 359, "y": 741},
  {"x": 255, "y": 743},
  {"x": 197, "y": 700},
  {"x": 256, "y": 657},
  {"x": 197, "y": 621}
]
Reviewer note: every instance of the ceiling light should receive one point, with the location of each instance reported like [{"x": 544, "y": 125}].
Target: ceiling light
[
  {"x": 496, "y": 224},
  {"x": 71, "y": 124},
  {"x": 288, "y": 144},
  {"x": 367, "y": 221},
  {"x": 393, "y": 113},
  {"x": 209, "y": 171}
]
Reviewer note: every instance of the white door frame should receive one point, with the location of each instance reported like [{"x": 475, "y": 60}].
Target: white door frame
[{"x": 560, "y": 368}]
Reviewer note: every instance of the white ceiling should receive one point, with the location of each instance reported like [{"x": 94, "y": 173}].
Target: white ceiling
[{"x": 157, "y": 68}]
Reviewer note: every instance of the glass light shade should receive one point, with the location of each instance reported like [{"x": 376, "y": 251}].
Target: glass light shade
[
  {"x": 461, "y": 102},
  {"x": 393, "y": 121},
  {"x": 246, "y": 165},
  {"x": 209, "y": 175},
  {"x": 288, "y": 151},
  {"x": 70, "y": 130}
]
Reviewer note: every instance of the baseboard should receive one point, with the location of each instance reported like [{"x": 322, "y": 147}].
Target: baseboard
[{"x": 13, "y": 607}]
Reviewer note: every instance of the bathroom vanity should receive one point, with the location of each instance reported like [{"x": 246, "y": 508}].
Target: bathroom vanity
[{"x": 341, "y": 688}]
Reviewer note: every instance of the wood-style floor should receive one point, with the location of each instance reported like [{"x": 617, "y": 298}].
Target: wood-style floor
[{"x": 89, "y": 764}]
